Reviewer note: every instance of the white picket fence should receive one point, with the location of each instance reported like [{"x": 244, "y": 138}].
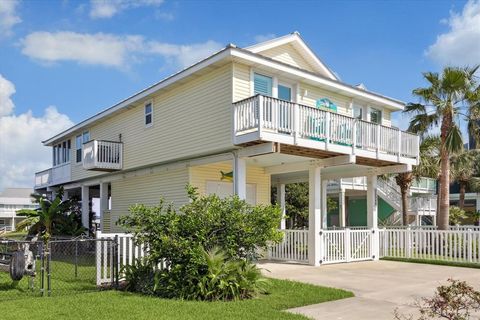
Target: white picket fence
[
  {"x": 294, "y": 247},
  {"x": 347, "y": 245},
  {"x": 127, "y": 254},
  {"x": 451, "y": 245}
]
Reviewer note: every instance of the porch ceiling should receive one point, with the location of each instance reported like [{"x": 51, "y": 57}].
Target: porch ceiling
[{"x": 302, "y": 176}]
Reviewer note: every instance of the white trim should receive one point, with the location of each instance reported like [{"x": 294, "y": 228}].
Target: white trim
[{"x": 298, "y": 43}]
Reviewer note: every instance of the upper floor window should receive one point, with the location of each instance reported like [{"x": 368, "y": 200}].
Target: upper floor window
[
  {"x": 358, "y": 112},
  {"x": 79, "y": 141},
  {"x": 148, "y": 114},
  {"x": 61, "y": 152},
  {"x": 284, "y": 92},
  {"x": 375, "y": 115},
  {"x": 262, "y": 84}
]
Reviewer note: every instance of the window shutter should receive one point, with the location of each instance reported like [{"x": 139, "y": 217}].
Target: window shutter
[{"x": 262, "y": 85}]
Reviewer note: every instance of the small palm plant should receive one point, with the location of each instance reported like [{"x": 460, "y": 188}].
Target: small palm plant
[{"x": 41, "y": 221}]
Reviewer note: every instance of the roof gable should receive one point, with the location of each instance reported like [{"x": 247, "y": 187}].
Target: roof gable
[{"x": 291, "y": 49}]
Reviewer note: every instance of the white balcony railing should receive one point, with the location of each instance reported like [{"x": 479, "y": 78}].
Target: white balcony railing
[
  {"x": 102, "y": 155},
  {"x": 53, "y": 176},
  {"x": 292, "y": 122}
]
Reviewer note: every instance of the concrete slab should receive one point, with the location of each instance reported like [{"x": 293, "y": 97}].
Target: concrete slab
[{"x": 379, "y": 286}]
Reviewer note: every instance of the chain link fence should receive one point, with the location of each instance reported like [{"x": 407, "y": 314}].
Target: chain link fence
[{"x": 61, "y": 267}]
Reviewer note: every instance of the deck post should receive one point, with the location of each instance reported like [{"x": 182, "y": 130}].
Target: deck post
[
  {"x": 323, "y": 198},
  {"x": 341, "y": 208},
  {"x": 281, "y": 203},
  {"x": 85, "y": 207},
  {"x": 240, "y": 177},
  {"x": 314, "y": 216},
  {"x": 372, "y": 214},
  {"x": 103, "y": 201}
]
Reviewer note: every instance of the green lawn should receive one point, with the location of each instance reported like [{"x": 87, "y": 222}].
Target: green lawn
[{"x": 120, "y": 305}]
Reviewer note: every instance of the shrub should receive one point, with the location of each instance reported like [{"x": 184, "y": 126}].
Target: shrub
[
  {"x": 454, "y": 301},
  {"x": 456, "y": 215},
  {"x": 180, "y": 239},
  {"x": 140, "y": 277}
]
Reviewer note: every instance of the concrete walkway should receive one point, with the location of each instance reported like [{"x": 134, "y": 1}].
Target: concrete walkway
[{"x": 379, "y": 287}]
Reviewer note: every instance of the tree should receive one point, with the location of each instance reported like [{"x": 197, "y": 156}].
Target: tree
[
  {"x": 451, "y": 96},
  {"x": 464, "y": 167},
  {"x": 428, "y": 167}
]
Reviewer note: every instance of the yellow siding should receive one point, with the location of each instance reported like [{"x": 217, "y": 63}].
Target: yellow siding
[
  {"x": 289, "y": 55},
  {"x": 315, "y": 93},
  {"x": 147, "y": 190},
  {"x": 191, "y": 119},
  {"x": 199, "y": 175},
  {"x": 241, "y": 82}
]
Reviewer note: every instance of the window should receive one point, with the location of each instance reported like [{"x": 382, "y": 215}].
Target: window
[
  {"x": 79, "y": 141},
  {"x": 358, "y": 112},
  {"x": 148, "y": 114},
  {"x": 61, "y": 152},
  {"x": 262, "y": 84},
  {"x": 2, "y": 222},
  {"x": 284, "y": 93},
  {"x": 375, "y": 115}
]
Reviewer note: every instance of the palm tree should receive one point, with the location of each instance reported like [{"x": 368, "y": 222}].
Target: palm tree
[
  {"x": 464, "y": 169},
  {"x": 427, "y": 167},
  {"x": 450, "y": 95}
]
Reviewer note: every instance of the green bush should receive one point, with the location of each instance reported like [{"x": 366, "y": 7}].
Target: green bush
[
  {"x": 180, "y": 239},
  {"x": 140, "y": 277}
]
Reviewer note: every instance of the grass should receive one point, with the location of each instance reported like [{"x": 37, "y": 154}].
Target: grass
[
  {"x": 435, "y": 262},
  {"x": 121, "y": 305}
]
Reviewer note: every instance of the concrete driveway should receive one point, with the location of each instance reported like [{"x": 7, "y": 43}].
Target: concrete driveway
[{"x": 379, "y": 286}]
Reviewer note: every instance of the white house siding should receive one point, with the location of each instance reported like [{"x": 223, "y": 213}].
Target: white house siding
[
  {"x": 148, "y": 189},
  {"x": 288, "y": 54},
  {"x": 199, "y": 175},
  {"x": 242, "y": 88},
  {"x": 190, "y": 119}
]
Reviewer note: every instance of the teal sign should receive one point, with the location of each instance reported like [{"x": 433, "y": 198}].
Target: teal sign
[{"x": 327, "y": 104}]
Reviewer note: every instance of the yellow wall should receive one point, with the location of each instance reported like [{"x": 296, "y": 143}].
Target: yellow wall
[
  {"x": 148, "y": 189},
  {"x": 199, "y": 175},
  {"x": 288, "y": 54},
  {"x": 188, "y": 120}
]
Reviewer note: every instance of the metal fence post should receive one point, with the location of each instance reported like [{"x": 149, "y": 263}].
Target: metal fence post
[
  {"x": 76, "y": 258},
  {"x": 42, "y": 270},
  {"x": 49, "y": 280}
]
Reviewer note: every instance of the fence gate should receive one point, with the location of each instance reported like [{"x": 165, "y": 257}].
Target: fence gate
[{"x": 347, "y": 245}]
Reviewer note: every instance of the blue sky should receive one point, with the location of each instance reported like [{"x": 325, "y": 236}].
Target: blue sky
[{"x": 82, "y": 57}]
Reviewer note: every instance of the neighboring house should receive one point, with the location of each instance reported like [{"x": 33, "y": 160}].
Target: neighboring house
[
  {"x": 269, "y": 113},
  {"x": 12, "y": 200}
]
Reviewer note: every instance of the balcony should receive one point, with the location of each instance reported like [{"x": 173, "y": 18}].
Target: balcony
[
  {"x": 262, "y": 118},
  {"x": 53, "y": 176},
  {"x": 102, "y": 155}
]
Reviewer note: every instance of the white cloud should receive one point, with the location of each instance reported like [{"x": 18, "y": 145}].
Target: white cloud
[
  {"x": 100, "y": 9},
  {"x": 461, "y": 44},
  {"x": 184, "y": 55},
  {"x": 7, "y": 89},
  {"x": 98, "y": 49},
  {"x": 264, "y": 37},
  {"x": 109, "y": 50},
  {"x": 21, "y": 151},
  {"x": 8, "y": 17}
]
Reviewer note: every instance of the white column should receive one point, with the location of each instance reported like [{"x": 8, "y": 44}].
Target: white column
[
  {"x": 13, "y": 223},
  {"x": 372, "y": 214},
  {"x": 314, "y": 217},
  {"x": 281, "y": 203},
  {"x": 477, "y": 201},
  {"x": 323, "y": 198},
  {"x": 85, "y": 207},
  {"x": 417, "y": 220},
  {"x": 240, "y": 177},
  {"x": 342, "y": 216},
  {"x": 103, "y": 201}
]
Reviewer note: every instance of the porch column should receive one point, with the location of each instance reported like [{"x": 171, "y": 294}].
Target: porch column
[
  {"x": 417, "y": 220},
  {"x": 341, "y": 209},
  {"x": 85, "y": 207},
  {"x": 13, "y": 223},
  {"x": 314, "y": 216},
  {"x": 372, "y": 214},
  {"x": 281, "y": 203},
  {"x": 240, "y": 177},
  {"x": 103, "y": 201},
  {"x": 323, "y": 198}
]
